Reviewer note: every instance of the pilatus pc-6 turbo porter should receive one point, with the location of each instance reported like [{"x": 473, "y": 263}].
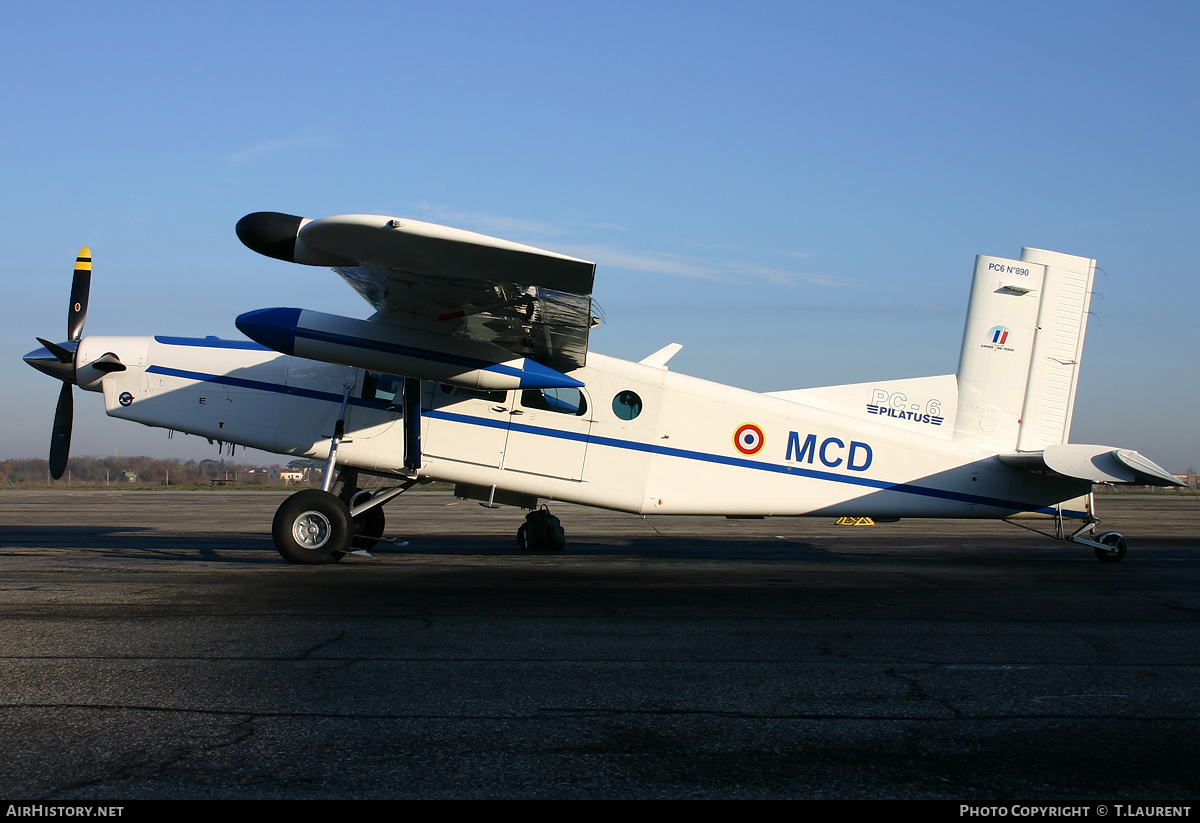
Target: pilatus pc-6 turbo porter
[{"x": 475, "y": 369}]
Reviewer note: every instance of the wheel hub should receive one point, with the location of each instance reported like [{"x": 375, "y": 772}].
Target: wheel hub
[{"x": 312, "y": 529}]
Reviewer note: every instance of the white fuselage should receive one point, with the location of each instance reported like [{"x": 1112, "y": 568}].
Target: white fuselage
[{"x": 676, "y": 455}]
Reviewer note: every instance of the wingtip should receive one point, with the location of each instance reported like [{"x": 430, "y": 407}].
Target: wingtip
[
  {"x": 270, "y": 233},
  {"x": 277, "y": 235}
]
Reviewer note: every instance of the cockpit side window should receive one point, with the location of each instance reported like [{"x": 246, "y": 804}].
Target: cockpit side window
[{"x": 563, "y": 401}]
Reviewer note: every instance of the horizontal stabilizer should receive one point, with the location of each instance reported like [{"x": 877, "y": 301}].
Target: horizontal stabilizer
[{"x": 1099, "y": 464}]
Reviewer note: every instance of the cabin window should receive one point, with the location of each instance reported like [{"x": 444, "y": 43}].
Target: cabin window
[
  {"x": 563, "y": 401},
  {"x": 627, "y": 405}
]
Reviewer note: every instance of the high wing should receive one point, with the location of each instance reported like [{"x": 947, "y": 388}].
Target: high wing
[{"x": 440, "y": 280}]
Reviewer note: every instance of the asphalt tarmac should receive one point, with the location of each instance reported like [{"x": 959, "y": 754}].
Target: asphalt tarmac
[{"x": 154, "y": 645}]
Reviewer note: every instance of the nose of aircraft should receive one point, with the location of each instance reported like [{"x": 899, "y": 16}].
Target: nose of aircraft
[{"x": 57, "y": 361}]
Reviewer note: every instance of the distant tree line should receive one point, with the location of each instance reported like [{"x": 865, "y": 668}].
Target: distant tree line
[{"x": 142, "y": 471}]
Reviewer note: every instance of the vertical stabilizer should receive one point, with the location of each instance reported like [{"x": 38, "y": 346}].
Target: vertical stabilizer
[{"x": 1022, "y": 341}]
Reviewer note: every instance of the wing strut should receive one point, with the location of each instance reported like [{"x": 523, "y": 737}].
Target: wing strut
[{"x": 412, "y": 424}]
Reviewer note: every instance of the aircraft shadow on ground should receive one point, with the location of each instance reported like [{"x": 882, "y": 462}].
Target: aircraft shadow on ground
[
  {"x": 784, "y": 547},
  {"x": 138, "y": 541}
]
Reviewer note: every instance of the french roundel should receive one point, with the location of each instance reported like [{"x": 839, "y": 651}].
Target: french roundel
[{"x": 748, "y": 439}]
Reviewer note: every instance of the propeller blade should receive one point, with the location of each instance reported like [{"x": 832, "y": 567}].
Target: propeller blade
[
  {"x": 81, "y": 285},
  {"x": 60, "y": 437},
  {"x": 63, "y": 354}
]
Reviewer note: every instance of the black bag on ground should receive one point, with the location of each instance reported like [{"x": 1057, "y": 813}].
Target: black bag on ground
[{"x": 542, "y": 532}]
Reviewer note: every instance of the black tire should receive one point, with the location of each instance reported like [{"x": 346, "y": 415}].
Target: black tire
[
  {"x": 312, "y": 527},
  {"x": 523, "y": 537},
  {"x": 368, "y": 528},
  {"x": 1115, "y": 554}
]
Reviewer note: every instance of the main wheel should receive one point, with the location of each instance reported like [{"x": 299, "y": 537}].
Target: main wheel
[
  {"x": 312, "y": 526},
  {"x": 368, "y": 528},
  {"x": 1116, "y": 551}
]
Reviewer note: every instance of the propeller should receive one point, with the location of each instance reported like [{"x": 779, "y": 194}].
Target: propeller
[{"x": 58, "y": 360}]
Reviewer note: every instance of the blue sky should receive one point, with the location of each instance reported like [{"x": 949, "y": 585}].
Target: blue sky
[{"x": 794, "y": 191}]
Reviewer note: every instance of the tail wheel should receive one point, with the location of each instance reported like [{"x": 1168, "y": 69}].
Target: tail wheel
[
  {"x": 312, "y": 527},
  {"x": 1115, "y": 552}
]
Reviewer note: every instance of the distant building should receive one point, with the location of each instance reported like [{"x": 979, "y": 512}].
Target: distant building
[{"x": 289, "y": 475}]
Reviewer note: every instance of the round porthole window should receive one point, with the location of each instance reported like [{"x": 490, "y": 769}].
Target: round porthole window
[{"x": 627, "y": 405}]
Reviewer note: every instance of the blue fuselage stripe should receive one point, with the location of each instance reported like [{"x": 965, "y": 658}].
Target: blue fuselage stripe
[{"x": 628, "y": 445}]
